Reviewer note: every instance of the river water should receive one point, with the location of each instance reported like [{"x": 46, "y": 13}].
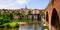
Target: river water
[{"x": 30, "y": 28}]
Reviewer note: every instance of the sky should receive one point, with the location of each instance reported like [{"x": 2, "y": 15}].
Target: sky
[{"x": 17, "y": 4}]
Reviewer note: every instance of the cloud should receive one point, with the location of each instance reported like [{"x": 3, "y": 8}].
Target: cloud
[
  {"x": 12, "y": 3},
  {"x": 21, "y": 2}
]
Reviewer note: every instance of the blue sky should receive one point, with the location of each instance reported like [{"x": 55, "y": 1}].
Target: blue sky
[{"x": 17, "y": 4}]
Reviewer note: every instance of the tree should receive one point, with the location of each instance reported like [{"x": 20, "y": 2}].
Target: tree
[{"x": 5, "y": 18}]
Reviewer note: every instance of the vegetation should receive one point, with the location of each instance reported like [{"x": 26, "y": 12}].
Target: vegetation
[
  {"x": 6, "y": 19},
  {"x": 22, "y": 18},
  {"x": 13, "y": 24},
  {"x": 10, "y": 25}
]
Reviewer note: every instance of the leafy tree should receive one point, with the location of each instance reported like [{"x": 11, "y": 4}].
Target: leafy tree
[{"x": 5, "y": 18}]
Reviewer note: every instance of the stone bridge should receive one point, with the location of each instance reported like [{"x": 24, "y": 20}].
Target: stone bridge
[{"x": 52, "y": 15}]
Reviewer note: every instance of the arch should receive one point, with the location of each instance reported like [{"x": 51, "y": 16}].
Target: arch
[
  {"x": 38, "y": 17},
  {"x": 47, "y": 16},
  {"x": 54, "y": 18}
]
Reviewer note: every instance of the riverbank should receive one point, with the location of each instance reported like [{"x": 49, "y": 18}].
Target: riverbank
[
  {"x": 9, "y": 25},
  {"x": 9, "y": 28}
]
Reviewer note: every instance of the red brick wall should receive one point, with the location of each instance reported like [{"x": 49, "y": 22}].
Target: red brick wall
[
  {"x": 57, "y": 6},
  {"x": 50, "y": 8}
]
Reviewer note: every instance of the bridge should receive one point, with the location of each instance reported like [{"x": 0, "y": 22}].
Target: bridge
[{"x": 52, "y": 15}]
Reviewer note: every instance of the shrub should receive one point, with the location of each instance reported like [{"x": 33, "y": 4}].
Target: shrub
[
  {"x": 5, "y": 25},
  {"x": 13, "y": 24}
]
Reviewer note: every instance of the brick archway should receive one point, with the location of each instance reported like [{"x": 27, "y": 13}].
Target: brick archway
[
  {"x": 47, "y": 16},
  {"x": 54, "y": 18}
]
